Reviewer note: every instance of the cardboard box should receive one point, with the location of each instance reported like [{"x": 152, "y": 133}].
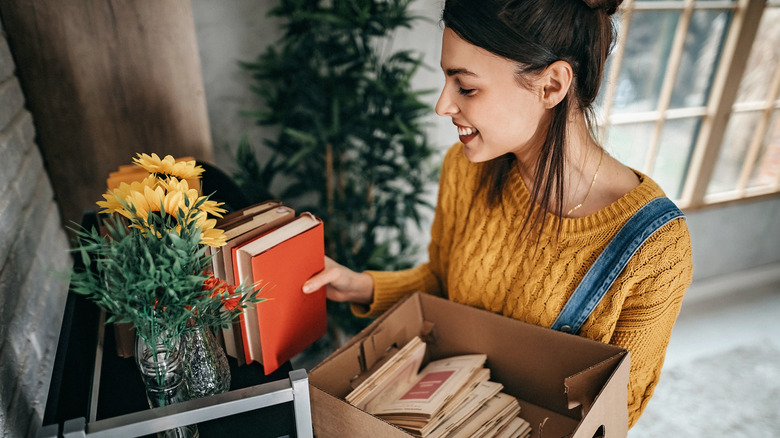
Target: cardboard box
[{"x": 568, "y": 386}]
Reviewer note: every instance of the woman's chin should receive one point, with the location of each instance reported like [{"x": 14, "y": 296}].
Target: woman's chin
[{"x": 475, "y": 154}]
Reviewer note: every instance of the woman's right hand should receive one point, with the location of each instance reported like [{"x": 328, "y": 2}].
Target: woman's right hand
[{"x": 342, "y": 283}]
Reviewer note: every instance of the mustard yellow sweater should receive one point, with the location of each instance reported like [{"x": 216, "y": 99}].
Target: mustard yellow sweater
[{"x": 475, "y": 258}]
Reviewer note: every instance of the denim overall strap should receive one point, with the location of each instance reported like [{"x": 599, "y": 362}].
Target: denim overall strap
[{"x": 611, "y": 262}]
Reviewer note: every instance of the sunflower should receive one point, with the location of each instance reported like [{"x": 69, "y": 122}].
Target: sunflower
[
  {"x": 116, "y": 200},
  {"x": 172, "y": 185},
  {"x": 168, "y": 166},
  {"x": 209, "y": 235},
  {"x": 153, "y": 199},
  {"x": 134, "y": 201},
  {"x": 212, "y": 236}
]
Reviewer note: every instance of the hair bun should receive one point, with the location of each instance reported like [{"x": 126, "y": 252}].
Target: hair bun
[{"x": 610, "y": 6}]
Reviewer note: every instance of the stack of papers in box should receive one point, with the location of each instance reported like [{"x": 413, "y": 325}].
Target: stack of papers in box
[{"x": 451, "y": 397}]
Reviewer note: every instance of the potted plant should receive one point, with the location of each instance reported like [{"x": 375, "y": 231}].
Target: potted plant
[
  {"x": 149, "y": 268},
  {"x": 350, "y": 146}
]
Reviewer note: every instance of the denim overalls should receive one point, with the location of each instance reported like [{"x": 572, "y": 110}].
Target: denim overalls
[{"x": 612, "y": 261}]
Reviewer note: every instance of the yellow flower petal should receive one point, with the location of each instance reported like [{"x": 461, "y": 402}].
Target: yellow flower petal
[
  {"x": 173, "y": 202},
  {"x": 114, "y": 198},
  {"x": 169, "y": 166},
  {"x": 212, "y": 208},
  {"x": 138, "y": 200},
  {"x": 213, "y": 237}
]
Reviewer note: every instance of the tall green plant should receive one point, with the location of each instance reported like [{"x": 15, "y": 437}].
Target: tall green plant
[{"x": 351, "y": 145}]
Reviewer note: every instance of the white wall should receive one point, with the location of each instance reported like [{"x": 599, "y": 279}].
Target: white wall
[
  {"x": 735, "y": 238},
  {"x": 229, "y": 31},
  {"x": 725, "y": 239}
]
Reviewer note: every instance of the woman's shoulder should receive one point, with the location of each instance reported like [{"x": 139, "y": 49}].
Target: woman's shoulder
[
  {"x": 628, "y": 196},
  {"x": 626, "y": 190},
  {"x": 674, "y": 234}
]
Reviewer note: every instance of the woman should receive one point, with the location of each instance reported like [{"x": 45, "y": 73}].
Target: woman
[{"x": 528, "y": 198}]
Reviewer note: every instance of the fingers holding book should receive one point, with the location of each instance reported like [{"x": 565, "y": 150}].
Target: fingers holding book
[{"x": 342, "y": 283}]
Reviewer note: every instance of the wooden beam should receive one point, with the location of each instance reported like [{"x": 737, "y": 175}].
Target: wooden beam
[
  {"x": 726, "y": 84},
  {"x": 105, "y": 79}
]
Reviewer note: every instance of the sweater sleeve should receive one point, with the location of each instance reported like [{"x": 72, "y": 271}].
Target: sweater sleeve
[
  {"x": 662, "y": 273},
  {"x": 390, "y": 287}
]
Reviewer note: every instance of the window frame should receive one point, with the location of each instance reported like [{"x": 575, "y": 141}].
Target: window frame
[{"x": 717, "y": 110}]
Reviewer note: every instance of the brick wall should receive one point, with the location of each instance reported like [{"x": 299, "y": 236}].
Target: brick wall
[{"x": 33, "y": 246}]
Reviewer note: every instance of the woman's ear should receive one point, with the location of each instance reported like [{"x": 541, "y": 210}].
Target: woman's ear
[{"x": 556, "y": 81}]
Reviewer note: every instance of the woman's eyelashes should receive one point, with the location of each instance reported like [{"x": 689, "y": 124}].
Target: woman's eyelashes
[{"x": 466, "y": 91}]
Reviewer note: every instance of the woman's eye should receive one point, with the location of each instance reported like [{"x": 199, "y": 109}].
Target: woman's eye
[{"x": 465, "y": 91}]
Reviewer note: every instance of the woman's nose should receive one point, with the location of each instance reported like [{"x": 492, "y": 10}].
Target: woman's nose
[{"x": 445, "y": 106}]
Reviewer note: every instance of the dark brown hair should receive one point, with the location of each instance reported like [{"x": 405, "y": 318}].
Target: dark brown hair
[{"x": 535, "y": 34}]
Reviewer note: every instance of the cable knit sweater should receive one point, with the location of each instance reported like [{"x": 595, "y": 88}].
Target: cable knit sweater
[{"x": 475, "y": 258}]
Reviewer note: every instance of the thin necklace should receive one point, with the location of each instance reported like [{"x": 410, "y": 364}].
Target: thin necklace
[{"x": 595, "y": 175}]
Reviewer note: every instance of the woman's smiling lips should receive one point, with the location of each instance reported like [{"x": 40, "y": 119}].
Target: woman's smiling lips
[{"x": 466, "y": 133}]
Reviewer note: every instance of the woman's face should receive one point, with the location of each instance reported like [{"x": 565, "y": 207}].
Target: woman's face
[{"x": 493, "y": 113}]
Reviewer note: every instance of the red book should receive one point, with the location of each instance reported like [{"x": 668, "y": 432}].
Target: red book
[{"x": 279, "y": 262}]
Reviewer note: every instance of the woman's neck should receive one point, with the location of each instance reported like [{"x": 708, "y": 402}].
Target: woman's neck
[{"x": 582, "y": 159}]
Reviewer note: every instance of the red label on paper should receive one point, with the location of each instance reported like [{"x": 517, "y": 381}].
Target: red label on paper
[{"x": 427, "y": 386}]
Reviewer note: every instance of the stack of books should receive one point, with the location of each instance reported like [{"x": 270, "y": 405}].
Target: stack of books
[
  {"x": 451, "y": 397},
  {"x": 275, "y": 250}
]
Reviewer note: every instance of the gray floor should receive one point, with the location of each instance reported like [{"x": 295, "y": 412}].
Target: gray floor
[
  {"x": 708, "y": 327},
  {"x": 719, "y": 316}
]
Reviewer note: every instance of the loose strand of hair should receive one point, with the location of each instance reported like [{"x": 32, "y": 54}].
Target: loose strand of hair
[{"x": 547, "y": 193}]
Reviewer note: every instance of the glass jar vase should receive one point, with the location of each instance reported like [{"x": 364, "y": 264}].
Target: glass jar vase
[
  {"x": 160, "y": 365},
  {"x": 205, "y": 363}
]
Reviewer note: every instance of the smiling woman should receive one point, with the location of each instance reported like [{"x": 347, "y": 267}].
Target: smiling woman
[{"x": 529, "y": 202}]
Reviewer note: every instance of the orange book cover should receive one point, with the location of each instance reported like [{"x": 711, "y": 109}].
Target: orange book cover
[
  {"x": 289, "y": 321},
  {"x": 247, "y": 232}
]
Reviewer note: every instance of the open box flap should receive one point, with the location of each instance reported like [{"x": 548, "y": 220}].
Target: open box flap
[
  {"x": 602, "y": 414},
  {"x": 583, "y": 388}
]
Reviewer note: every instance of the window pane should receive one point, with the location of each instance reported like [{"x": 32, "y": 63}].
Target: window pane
[
  {"x": 629, "y": 143},
  {"x": 644, "y": 64},
  {"x": 700, "y": 55},
  {"x": 767, "y": 168},
  {"x": 674, "y": 154},
  {"x": 736, "y": 141},
  {"x": 764, "y": 59}
]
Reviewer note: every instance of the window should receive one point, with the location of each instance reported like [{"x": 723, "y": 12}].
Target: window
[{"x": 692, "y": 97}]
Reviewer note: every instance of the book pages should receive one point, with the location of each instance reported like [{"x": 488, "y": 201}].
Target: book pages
[
  {"x": 436, "y": 384},
  {"x": 423, "y": 426},
  {"x": 490, "y": 429},
  {"x": 481, "y": 422},
  {"x": 393, "y": 376},
  {"x": 517, "y": 428},
  {"x": 475, "y": 400},
  {"x": 450, "y": 397}
]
